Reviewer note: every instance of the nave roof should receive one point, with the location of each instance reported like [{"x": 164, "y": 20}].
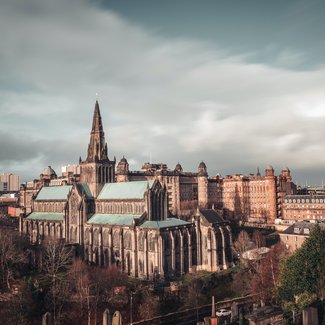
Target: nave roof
[
  {"x": 46, "y": 216},
  {"x": 169, "y": 222},
  {"x": 124, "y": 190},
  {"x": 113, "y": 219},
  {"x": 53, "y": 193}
]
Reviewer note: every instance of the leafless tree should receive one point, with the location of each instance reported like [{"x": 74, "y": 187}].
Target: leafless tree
[
  {"x": 57, "y": 258},
  {"x": 266, "y": 273},
  {"x": 12, "y": 256},
  {"x": 149, "y": 306},
  {"x": 258, "y": 239},
  {"x": 243, "y": 242},
  {"x": 79, "y": 280}
]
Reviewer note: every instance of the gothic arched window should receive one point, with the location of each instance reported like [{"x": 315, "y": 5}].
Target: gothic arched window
[
  {"x": 116, "y": 239},
  {"x": 151, "y": 242},
  {"x": 141, "y": 241},
  {"x": 127, "y": 240}
]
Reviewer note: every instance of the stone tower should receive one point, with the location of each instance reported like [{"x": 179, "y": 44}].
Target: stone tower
[
  {"x": 122, "y": 171},
  {"x": 97, "y": 169},
  {"x": 271, "y": 185},
  {"x": 202, "y": 184}
]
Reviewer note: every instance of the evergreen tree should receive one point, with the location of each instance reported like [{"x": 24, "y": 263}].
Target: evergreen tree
[{"x": 303, "y": 276}]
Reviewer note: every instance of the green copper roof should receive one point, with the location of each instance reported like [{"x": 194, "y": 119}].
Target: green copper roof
[
  {"x": 113, "y": 219},
  {"x": 85, "y": 190},
  {"x": 53, "y": 193},
  {"x": 124, "y": 190},
  {"x": 46, "y": 216},
  {"x": 170, "y": 222}
]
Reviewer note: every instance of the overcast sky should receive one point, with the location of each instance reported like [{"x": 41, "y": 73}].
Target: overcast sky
[{"x": 237, "y": 84}]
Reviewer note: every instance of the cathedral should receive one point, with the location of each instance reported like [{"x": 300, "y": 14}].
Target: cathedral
[{"x": 114, "y": 217}]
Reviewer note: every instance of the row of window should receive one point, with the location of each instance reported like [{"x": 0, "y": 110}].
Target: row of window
[{"x": 304, "y": 201}]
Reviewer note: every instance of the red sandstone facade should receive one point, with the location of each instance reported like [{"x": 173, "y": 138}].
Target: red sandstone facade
[
  {"x": 256, "y": 198},
  {"x": 303, "y": 207}
]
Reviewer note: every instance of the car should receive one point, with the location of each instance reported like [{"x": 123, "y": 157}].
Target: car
[{"x": 223, "y": 312}]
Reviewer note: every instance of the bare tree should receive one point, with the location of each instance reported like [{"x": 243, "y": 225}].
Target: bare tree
[
  {"x": 79, "y": 280},
  {"x": 149, "y": 307},
  {"x": 57, "y": 258},
  {"x": 12, "y": 256},
  {"x": 243, "y": 242},
  {"x": 258, "y": 238},
  {"x": 266, "y": 273}
]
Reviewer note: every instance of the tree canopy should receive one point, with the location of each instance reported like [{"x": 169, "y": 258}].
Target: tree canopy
[{"x": 303, "y": 273}]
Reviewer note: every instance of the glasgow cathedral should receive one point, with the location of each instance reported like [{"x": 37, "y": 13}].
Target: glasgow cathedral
[{"x": 145, "y": 222}]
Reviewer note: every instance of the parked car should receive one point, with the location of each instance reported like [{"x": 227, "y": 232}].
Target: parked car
[{"x": 223, "y": 312}]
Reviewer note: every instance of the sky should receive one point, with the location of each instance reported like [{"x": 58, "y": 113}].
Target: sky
[{"x": 237, "y": 84}]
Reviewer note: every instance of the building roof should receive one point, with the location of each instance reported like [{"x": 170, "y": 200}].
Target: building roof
[
  {"x": 124, "y": 190},
  {"x": 211, "y": 216},
  {"x": 53, "y": 193},
  {"x": 170, "y": 222},
  {"x": 256, "y": 253},
  {"x": 84, "y": 189},
  {"x": 302, "y": 228},
  {"x": 113, "y": 219},
  {"x": 50, "y": 216}
]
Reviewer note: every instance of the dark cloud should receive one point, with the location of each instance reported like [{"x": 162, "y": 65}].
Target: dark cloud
[{"x": 174, "y": 99}]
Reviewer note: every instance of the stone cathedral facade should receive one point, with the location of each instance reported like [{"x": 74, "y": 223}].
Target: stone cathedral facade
[{"x": 112, "y": 220}]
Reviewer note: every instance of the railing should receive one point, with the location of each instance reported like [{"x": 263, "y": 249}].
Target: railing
[{"x": 205, "y": 310}]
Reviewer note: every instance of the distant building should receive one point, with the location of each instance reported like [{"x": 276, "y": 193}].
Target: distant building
[
  {"x": 127, "y": 223},
  {"x": 256, "y": 198},
  {"x": 252, "y": 198},
  {"x": 313, "y": 190},
  {"x": 7, "y": 202},
  {"x": 304, "y": 207},
  {"x": 73, "y": 169},
  {"x": 9, "y": 183},
  {"x": 48, "y": 177},
  {"x": 3, "y": 187},
  {"x": 294, "y": 236},
  {"x": 186, "y": 190}
]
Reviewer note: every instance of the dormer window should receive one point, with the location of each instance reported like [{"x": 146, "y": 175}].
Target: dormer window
[{"x": 297, "y": 230}]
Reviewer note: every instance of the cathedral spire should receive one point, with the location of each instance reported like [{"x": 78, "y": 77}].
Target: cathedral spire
[
  {"x": 97, "y": 120},
  {"x": 97, "y": 149}
]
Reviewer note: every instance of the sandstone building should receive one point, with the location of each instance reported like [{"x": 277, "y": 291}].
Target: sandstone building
[
  {"x": 257, "y": 198},
  {"x": 294, "y": 236},
  {"x": 9, "y": 183},
  {"x": 130, "y": 223},
  {"x": 303, "y": 207}
]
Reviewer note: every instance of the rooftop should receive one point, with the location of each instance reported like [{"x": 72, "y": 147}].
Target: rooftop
[
  {"x": 46, "y": 216},
  {"x": 303, "y": 227},
  {"x": 124, "y": 190},
  {"x": 113, "y": 219},
  {"x": 211, "y": 216},
  {"x": 170, "y": 222},
  {"x": 53, "y": 193}
]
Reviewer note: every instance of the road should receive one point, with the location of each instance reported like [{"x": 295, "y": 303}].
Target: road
[{"x": 189, "y": 316}]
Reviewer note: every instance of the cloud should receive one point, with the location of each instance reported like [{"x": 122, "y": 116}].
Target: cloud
[{"x": 175, "y": 99}]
